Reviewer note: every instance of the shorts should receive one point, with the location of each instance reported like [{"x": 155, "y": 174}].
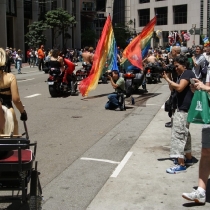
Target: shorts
[{"x": 206, "y": 137}]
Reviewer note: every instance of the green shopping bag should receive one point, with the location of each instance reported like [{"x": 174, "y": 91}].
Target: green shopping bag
[{"x": 199, "y": 111}]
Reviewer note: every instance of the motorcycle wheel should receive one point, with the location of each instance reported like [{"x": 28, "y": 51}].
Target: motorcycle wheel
[
  {"x": 128, "y": 91},
  {"x": 74, "y": 85},
  {"x": 53, "y": 92}
]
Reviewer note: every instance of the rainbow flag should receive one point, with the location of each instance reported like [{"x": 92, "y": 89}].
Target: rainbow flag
[
  {"x": 139, "y": 46},
  {"x": 104, "y": 56}
]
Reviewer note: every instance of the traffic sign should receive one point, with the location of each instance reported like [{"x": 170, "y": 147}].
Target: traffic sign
[{"x": 191, "y": 31}]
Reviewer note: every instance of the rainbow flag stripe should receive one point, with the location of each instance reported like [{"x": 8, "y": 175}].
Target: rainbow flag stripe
[
  {"x": 103, "y": 51},
  {"x": 139, "y": 46}
]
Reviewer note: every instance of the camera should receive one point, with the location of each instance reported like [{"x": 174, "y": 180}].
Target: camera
[
  {"x": 154, "y": 68},
  {"x": 108, "y": 73},
  {"x": 189, "y": 53}
]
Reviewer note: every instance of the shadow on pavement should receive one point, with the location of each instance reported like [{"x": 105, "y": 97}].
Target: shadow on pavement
[{"x": 16, "y": 205}]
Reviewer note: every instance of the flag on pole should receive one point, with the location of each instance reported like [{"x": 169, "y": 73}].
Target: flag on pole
[
  {"x": 105, "y": 49},
  {"x": 139, "y": 46}
]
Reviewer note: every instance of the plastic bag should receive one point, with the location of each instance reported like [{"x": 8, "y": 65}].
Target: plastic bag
[{"x": 199, "y": 111}]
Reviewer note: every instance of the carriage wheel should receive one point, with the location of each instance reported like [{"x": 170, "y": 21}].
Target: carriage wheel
[{"x": 35, "y": 201}]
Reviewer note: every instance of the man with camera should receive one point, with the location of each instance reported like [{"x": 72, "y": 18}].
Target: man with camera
[
  {"x": 118, "y": 83},
  {"x": 175, "y": 52}
]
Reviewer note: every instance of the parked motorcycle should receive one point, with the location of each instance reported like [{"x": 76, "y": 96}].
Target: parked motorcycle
[
  {"x": 83, "y": 72},
  {"x": 55, "y": 80},
  {"x": 134, "y": 78}
]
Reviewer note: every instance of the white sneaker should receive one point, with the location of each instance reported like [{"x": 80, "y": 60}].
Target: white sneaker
[{"x": 196, "y": 196}]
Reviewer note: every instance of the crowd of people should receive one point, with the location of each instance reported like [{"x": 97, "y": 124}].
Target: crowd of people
[
  {"x": 182, "y": 90},
  {"x": 187, "y": 65}
]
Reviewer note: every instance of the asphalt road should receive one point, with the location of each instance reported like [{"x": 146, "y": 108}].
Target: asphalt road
[{"x": 71, "y": 129}]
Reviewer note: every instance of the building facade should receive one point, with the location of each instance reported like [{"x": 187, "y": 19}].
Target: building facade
[
  {"x": 16, "y": 15},
  {"x": 179, "y": 15}
]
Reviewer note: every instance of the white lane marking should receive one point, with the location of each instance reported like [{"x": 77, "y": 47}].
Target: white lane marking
[
  {"x": 30, "y": 72},
  {"x": 31, "y": 96},
  {"x": 152, "y": 105},
  {"x": 121, "y": 165},
  {"x": 26, "y": 80},
  {"x": 100, "y": 160},
  {"x": 163, "y": 106}
]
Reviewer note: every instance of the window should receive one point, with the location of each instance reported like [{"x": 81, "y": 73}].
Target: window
[
  {"x": 11, "y": 7},
  {"x": 180, "y": 14},
  {"x": 28, "y": 9},
  {"x": 144, "y": 17},
  {"x": 88, "y": 6},
  {"x": 143, "y": 1},
  {"x": 101, "y": 5},
  {"x": 162, "y": 18},
  {"x": 53, "y": 5}
]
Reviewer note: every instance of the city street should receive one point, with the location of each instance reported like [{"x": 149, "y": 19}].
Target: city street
[{"x": 72, "y": 129}]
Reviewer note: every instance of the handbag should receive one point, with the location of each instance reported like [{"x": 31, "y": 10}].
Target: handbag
[
  {"x": 199, "y": 111},
  {"x": 170, "y": 103}
]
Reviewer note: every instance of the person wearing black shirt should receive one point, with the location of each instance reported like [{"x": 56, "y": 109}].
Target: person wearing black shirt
[{"x": 180, "y": 135}]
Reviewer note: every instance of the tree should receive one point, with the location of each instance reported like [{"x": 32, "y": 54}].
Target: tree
[
  {"x": 60, "y": 21},
  {"x": 122, "y": 33},
  {"x": 35, "y": 36},
  {"x": 88, "y": 37}
]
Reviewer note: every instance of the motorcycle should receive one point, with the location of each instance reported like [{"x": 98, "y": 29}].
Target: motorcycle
[
  {"x": 134, "y": 78},
  {"x": 83, "y": 72},
  {"x": 152, "y": 76},
  {"x": 55, "y": 80}
]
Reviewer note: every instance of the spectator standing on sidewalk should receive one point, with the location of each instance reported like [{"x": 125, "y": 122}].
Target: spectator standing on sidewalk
[
  {"x": 180, "y": 135},
  {"x": 199, "y": 195},
  {"x": 175, "y": 52},
  {"x": 32, "y": 58},
  {"x": 41, "y": 56},
  {"x": 14, "y": 55},
  {"x": 28, "y": 55},
  {"x": 198, "y": 62},
  {"x": 19, "y": 58}
]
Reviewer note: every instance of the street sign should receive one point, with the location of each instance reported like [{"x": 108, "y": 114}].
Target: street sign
[
  {"x": 193, "y": 31},
  {"x": 197, "y": 31}
]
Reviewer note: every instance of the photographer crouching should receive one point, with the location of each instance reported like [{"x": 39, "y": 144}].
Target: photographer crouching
[{"x": 118, "y": 83}]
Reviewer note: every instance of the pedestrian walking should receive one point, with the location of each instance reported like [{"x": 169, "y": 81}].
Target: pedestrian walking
[
  {"x": 41, "y": 56},
  {"x": 19, "y": 58}
]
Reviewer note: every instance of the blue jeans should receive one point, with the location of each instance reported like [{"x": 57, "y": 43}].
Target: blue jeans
[
  {"x": 19, "y": 63},
  {"x": 113, "y": 102}
]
